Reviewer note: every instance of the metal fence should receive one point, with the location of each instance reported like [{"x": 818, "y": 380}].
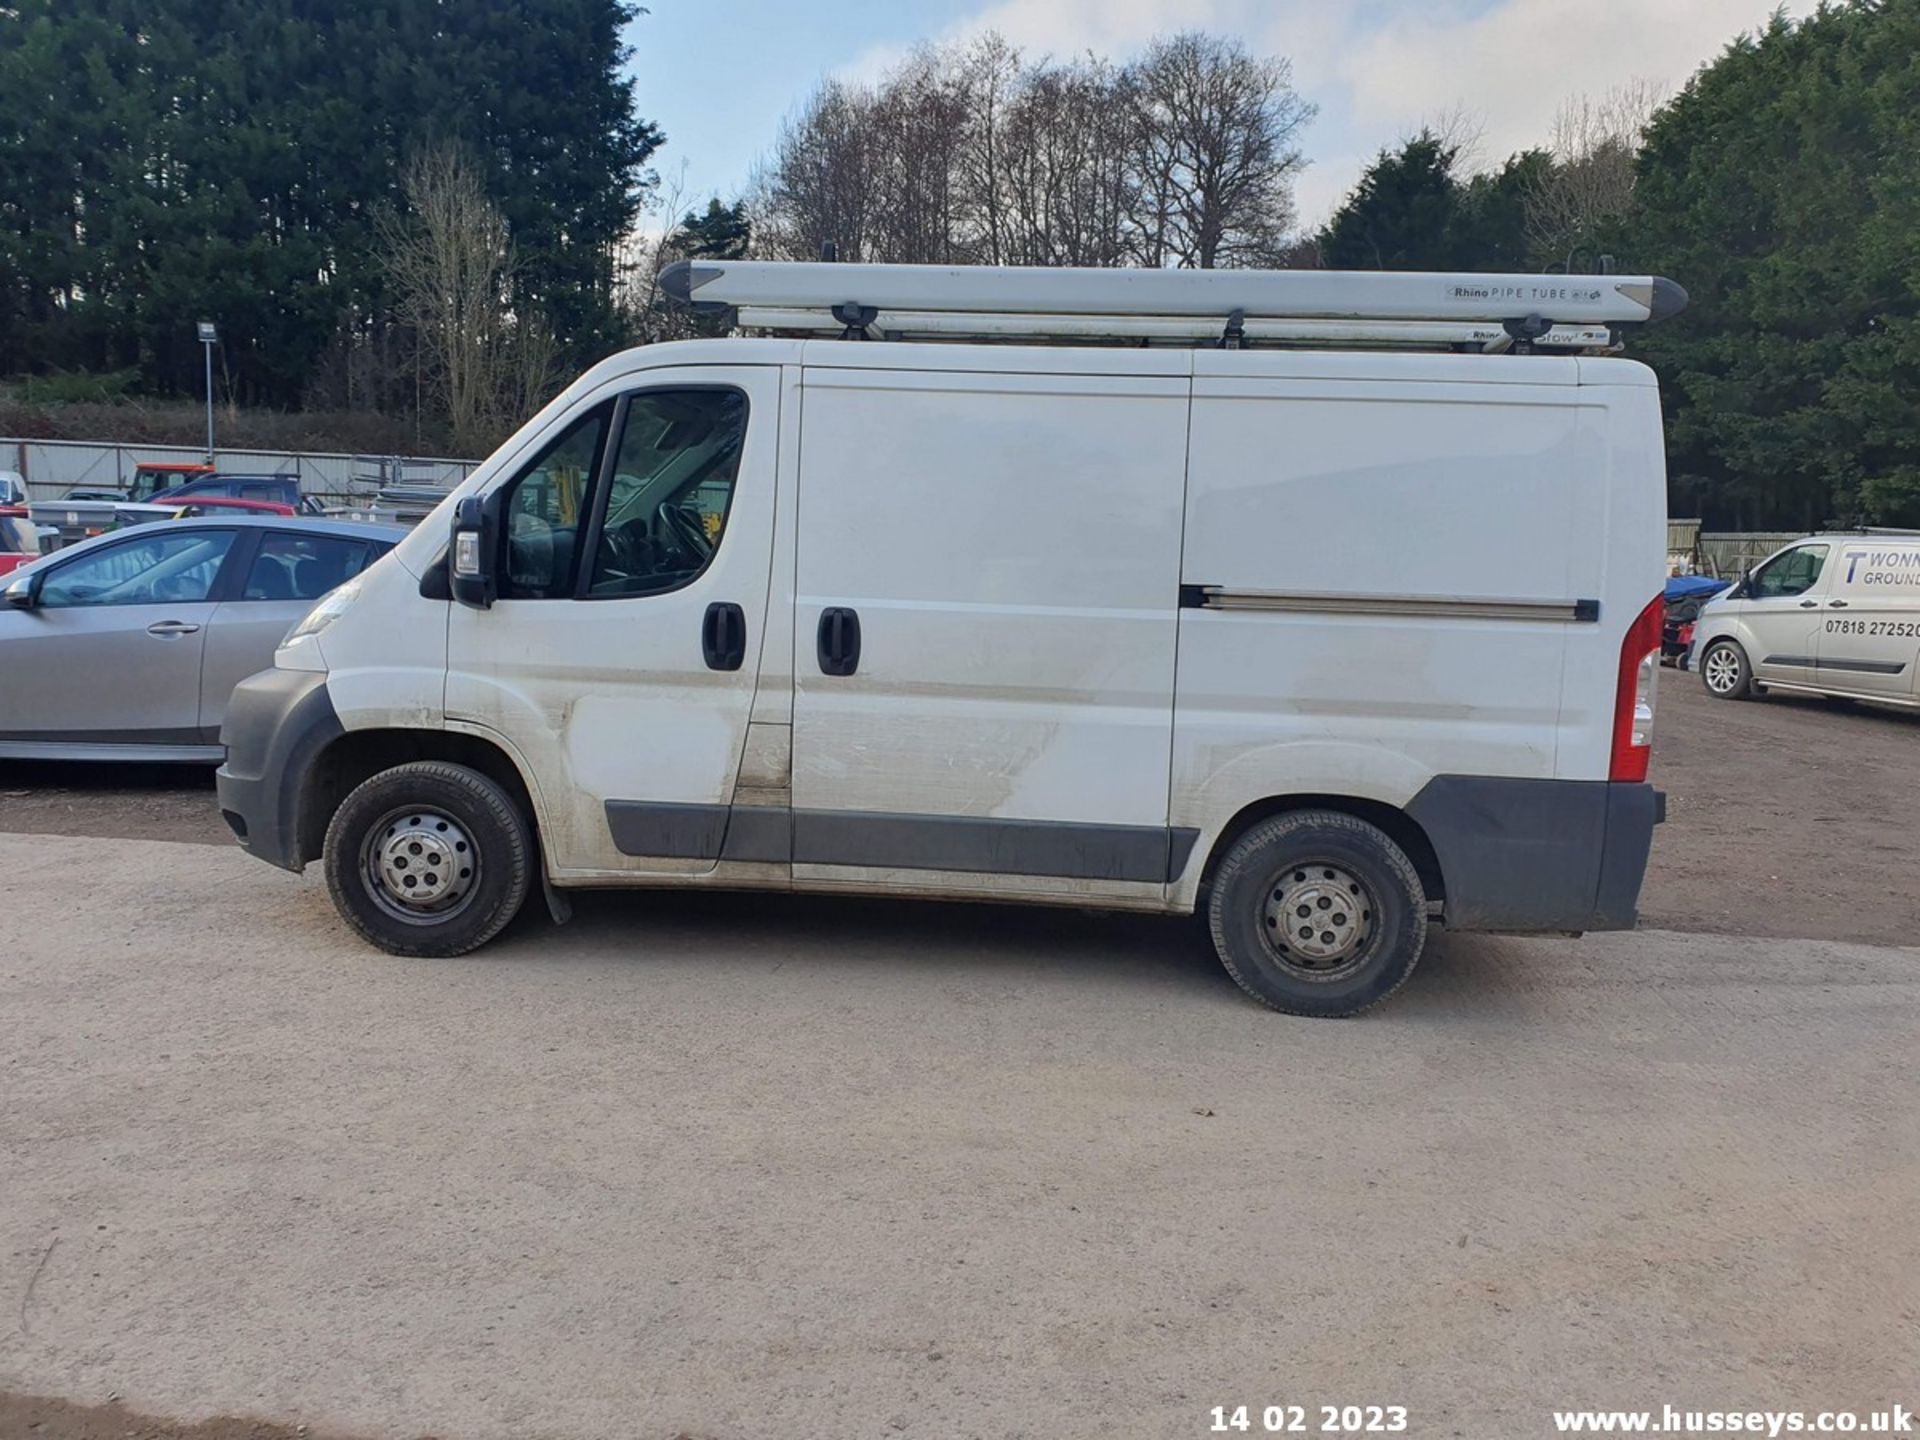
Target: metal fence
[
  {"x": 53, "y": 467},
  {"x": 1729, "y": 555},
  {"x": 1726, "y": 555}
]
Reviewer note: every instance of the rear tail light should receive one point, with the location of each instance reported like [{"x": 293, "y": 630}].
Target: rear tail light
[{"x": 1633, "y": 697}]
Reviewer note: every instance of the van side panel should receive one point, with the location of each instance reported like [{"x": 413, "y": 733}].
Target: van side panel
[
  {"x": 1010, "y": 546},
  {"x": 1869, "y": 640},
  {"x": 1409, "y": 498},
  {"x": 1412, "y": 592}
]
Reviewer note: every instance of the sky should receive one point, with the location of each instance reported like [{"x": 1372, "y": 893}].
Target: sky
[{"x": 718, "y": 76}]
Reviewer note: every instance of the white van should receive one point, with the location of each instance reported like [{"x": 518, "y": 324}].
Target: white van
[
  {"x": 1835, "y": 614},
  {"x": 1329, "y": 645}
]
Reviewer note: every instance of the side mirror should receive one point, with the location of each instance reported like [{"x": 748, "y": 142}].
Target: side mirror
[
  {"x": 473, "y": 549},
  {"x": 24, "y": 591}
]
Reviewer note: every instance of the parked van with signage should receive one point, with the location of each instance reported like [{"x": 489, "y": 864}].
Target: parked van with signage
[
  {"x": 1834, "y": 614},
  {"x": 1328, "y": 646}
]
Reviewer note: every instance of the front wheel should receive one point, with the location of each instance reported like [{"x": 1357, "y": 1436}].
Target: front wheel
[
  {"x": 1725, "y": 672},
  {"x": 1318, "y": 913},
  {"x": 429, "y": 859}
]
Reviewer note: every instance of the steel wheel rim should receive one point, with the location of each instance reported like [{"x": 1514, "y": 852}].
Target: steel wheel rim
[
  {"x": 419, "y": 865},
  {"x": 1319, "y": 919},
  {"x": 1722, "y": 670}
]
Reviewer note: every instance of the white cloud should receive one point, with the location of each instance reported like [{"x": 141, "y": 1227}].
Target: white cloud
[
  {"x": 1113, "y": 28},
  {"x": 1511, "y": 66},
  {"x": 1514, "y": 64},
  {"x": 1381, "y": 70}
]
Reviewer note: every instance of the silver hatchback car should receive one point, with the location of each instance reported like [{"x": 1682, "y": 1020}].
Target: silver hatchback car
[{"x": 127, "y": 646}]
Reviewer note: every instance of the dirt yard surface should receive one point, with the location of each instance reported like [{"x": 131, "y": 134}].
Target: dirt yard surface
[
  {"x": 1785, "y": 817},
  {"x": 126, "y": 802},
  {"x": 33, "y": 1417},
  {"x": 1791, "y": 817},
  {"x": 731, "y": 1166}
]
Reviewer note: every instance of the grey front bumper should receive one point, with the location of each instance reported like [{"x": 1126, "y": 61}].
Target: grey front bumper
[{"x": 277, "y": 725}]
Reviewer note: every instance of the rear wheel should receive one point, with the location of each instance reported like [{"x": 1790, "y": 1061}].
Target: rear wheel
[
  {"x": 1318, "y": 913},
  {"x": 429, "y": 859},
  {"x": 1725, "y": 671}
]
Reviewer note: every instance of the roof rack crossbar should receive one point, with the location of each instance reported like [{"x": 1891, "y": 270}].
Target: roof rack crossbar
[{"x": 1480, "y": 336}]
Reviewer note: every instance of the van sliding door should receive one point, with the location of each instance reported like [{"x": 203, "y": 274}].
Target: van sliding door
[{"x": 987, "y": 582}]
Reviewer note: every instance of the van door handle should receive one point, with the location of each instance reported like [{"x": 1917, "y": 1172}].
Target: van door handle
[
  {"x": 171, "y": 627},
  {"x": 1837, "y": 604},
  {"x": 723, "y": 636},
  {"x": 1808, "y": 604},
  {"x": 839, "y": 641}
]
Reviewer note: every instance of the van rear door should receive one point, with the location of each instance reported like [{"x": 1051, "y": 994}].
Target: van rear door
[{"x": 987, "y": 583}]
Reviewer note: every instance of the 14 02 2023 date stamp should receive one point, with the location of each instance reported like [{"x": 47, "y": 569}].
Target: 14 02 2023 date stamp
[{"x": 1308, "y": 1420}]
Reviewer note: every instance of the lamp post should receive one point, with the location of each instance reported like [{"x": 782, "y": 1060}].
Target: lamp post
[{"x": 208, "y": 338}]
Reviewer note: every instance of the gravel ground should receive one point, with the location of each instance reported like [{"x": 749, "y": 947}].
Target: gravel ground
[
  {"x": 713, "y": 1166},
  {"x": 726, "y": 1166},
  {"x": 1785, "y": 817}
]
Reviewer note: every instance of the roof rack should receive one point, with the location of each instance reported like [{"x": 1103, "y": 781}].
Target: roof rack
[{"x": 1228, "y": 308}]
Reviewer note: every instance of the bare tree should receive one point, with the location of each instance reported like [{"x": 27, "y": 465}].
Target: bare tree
[
  {"x": 1072, "y": 191},
  {"x": 916, "y": 140},
  {"x": 450, "y": 259},
  {"x": 1595, "y": 143},
  {"x": 1217, "y": 132},
  {"x": 978, "y": 155},
  {"x": 640, "y": 257},
  {"x": 1461, "y": 130},
  {"x": 818, "y": 187},
  {"x": 992, "y": 77}
]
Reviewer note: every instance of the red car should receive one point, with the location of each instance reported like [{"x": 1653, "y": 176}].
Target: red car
[
  {"x": 215, "y": 504},
  {"x": 19, "y": 541},
  {"x": 129, "y": 512}
]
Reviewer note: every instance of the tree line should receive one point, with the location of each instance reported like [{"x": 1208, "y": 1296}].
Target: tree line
[
  {"x": 443, "y": 210},
  {"x": 243, "y": 161}
]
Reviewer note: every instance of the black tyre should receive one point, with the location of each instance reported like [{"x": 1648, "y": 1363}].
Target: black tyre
[
  {"x": 1318, "y": 913},
  {"x": 429, "y": 859},
  {"x": 1725, "y": 672}
]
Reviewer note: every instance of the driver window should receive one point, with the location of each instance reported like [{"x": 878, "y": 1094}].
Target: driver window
[
  {"x": 1793, "y": 573},
  {"x": 546, "y": 505},
  {"x": 673, "y": 478},
  {"x": 176, "y": 568}
]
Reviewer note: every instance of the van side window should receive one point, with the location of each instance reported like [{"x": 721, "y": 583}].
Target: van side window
[
  {"x": 1793, "y": 573},
  {"x": 672, "y": 483},
  {"x": 546, "y": 509}
]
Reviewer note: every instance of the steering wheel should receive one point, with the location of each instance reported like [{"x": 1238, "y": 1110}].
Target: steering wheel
[
  {"x": 688, "y": 532},
  {"x": 631, "y": 550}
]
